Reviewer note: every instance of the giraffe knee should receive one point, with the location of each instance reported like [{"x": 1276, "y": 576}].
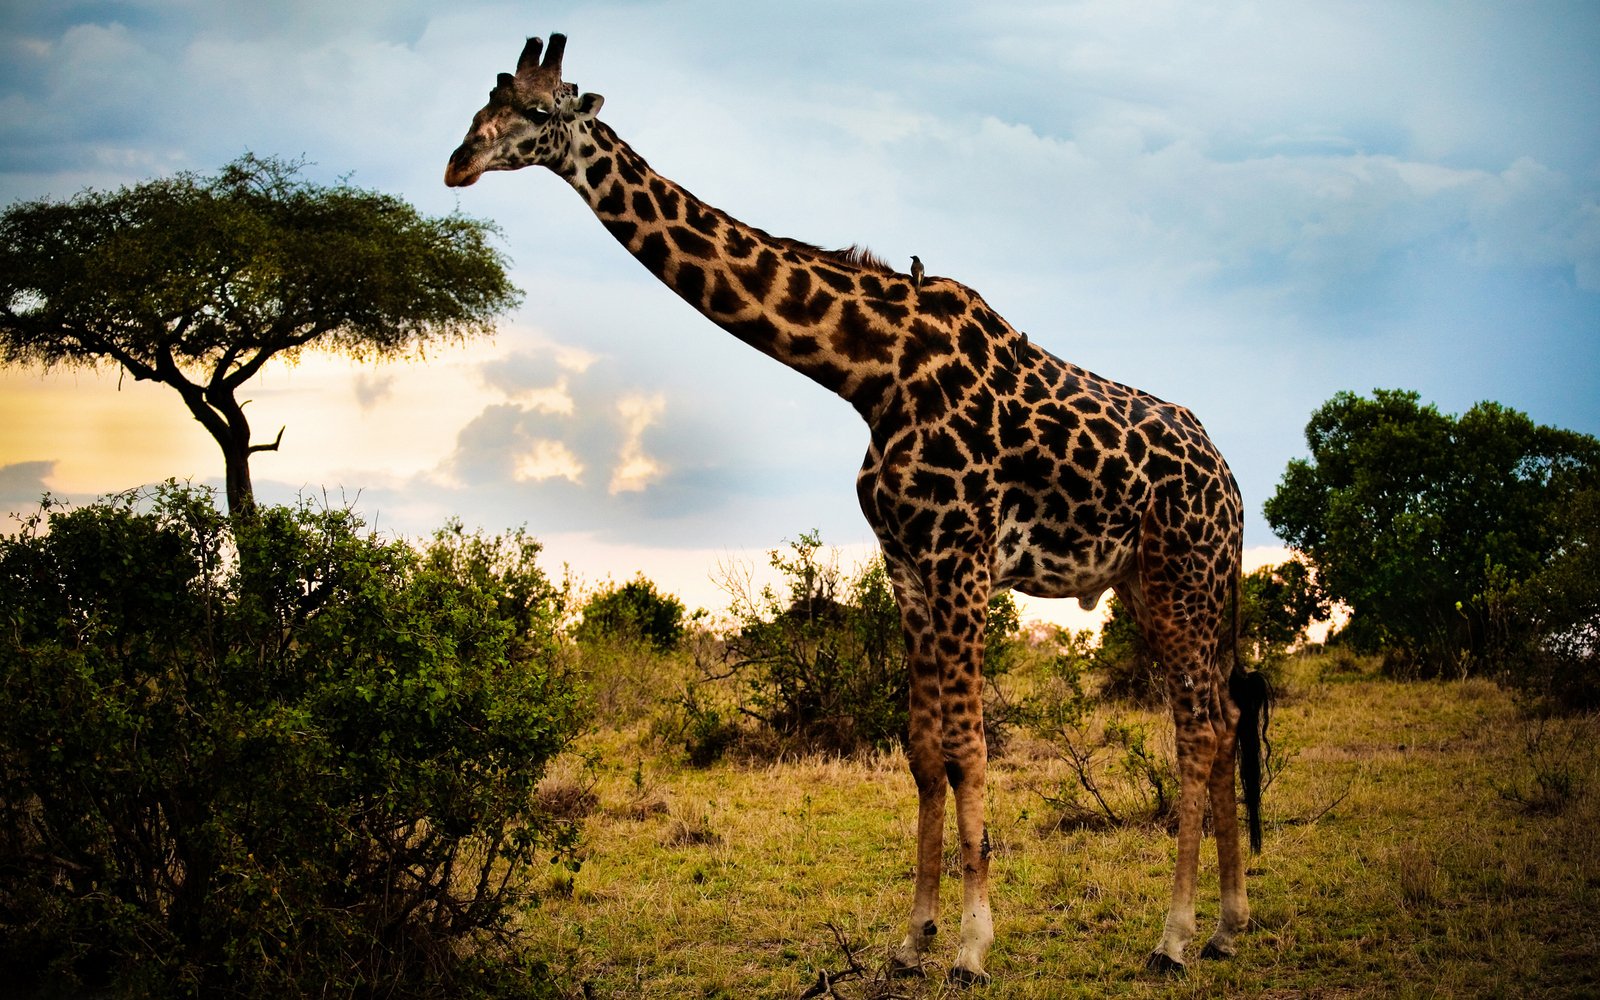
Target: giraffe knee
[
  {"x": 964, "y": 760},
  {"x": 927, "y": 772}
]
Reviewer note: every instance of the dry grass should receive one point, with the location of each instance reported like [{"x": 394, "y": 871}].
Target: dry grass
[{"x": 1396, "y": 864}]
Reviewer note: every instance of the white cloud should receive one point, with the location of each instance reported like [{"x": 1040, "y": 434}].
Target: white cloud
[
  {"x": 372, "y": 389},
  {"x": 635, "y": 469},
  {"x": 547, "y": 459},
  {"x": 574, "y": 359},
  {"x": 1530, "y": 215},
  {"x": 555, "y": 399}
]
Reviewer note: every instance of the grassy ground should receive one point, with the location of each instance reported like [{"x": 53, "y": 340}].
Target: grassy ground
[{"x": 1423, "y": 839}]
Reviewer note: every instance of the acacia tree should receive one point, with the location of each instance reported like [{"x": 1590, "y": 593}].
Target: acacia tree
[
  {"x": 1412, "y": 517},
  {"x": 198, "y": 281}
]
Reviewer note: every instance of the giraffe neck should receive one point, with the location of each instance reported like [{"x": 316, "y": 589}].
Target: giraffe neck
[{"x": 832, "y": 316}]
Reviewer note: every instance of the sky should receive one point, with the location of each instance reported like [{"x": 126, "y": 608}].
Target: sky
[{"x": 1242, "y": 207}]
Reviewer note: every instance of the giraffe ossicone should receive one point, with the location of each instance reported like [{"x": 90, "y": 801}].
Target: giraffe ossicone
[{"x": 990, "y": 464}]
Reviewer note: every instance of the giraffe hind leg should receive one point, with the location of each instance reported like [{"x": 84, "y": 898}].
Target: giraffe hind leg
[
  {"x": 1225, "y": 826},
  {"x": 1182, "y": 620},
  {"x": 1238, "y": 750},
  {"x": 1196, "y": 752}
]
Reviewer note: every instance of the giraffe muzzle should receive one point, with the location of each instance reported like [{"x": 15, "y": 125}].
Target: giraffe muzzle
[{"x": 462, "y": 170}]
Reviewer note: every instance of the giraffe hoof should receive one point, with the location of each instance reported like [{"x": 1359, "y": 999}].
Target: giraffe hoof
[
  {"x": 900, "y": 969},
  {"x": 1162, "y": 964},
  {"x": 966, "y": 978},
  {"x": 1213, "y": 951}
]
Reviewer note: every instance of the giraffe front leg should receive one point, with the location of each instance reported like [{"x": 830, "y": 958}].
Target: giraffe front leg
[
  {"x": 966, "y": 766},
  {"x": 944, "y": 639},
  {"x": 977, "y": 924},
  {"x": 927, "y": 768},
  {"x": 907, "y": 958}
]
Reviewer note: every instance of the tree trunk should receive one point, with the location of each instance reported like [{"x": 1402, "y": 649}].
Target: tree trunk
[
  {"x": 236, "y": 462},
  {"x": 236, "y": 451},
  {"x": 222, "y": 416}
]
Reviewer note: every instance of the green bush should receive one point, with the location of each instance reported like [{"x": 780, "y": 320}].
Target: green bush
[
  {"x": 1545, "y": 630},
  {"x": 1277, "y": 605},
  {"x": 1124, "y": 662},
  {"x": 274, "y": 757},
  {"x": 1118, "y": 777},
  {"x": 631, "y": 614},
  {"x": 822, "y": 660}
]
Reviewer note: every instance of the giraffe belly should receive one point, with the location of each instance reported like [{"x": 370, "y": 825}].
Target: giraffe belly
[{"x": 1026, "y": 563}]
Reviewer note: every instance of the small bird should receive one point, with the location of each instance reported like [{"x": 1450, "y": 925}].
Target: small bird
[{"x": 916, "y": 271}]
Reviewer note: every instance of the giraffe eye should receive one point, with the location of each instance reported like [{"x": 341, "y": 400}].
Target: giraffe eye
[{"x": 536, "y": 115}]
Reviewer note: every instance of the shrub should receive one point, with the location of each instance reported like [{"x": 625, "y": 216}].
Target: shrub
[
  {"x": 1277, "y": 605},
  {"x": 821, "y": 661},
  {"x": 1118, "y": 777},
  {"x": 1550, "y": 772},
  {"x": 1124, "y": 662},
  {"x": 1547, "y": 627},
  {"x": 631, "y": 614},
  {"x": 267, "y": 757}
]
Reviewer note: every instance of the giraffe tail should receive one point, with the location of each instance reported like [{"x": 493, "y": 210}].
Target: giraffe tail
[{"x": 1250, "y": 691}]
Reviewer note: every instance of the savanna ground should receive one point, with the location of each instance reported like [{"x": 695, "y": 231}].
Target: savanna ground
[{"x": 1422, "y": 839}]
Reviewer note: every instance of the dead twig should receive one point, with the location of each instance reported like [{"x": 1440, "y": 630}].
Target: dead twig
[
  {"x": 1311, "y": 820},
  {"x": 828, "y": 981}
]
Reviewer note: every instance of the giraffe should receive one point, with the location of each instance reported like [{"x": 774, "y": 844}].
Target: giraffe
[{"x": 990, "y": 464}]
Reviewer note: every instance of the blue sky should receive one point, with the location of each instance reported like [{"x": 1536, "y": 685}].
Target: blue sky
[{"x": 1242, "y": 207}]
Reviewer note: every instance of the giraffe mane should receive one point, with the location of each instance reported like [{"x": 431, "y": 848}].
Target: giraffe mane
[{"x": 853, "y": 256}]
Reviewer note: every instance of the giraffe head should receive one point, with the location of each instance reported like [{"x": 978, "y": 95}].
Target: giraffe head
[{"x": 529, "y": 119}]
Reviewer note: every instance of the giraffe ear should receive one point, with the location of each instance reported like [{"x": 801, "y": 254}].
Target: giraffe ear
[{"x": 589, "y": 105}]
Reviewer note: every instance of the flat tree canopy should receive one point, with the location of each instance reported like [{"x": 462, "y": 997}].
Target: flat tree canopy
[{"x": 198, "y": 281}]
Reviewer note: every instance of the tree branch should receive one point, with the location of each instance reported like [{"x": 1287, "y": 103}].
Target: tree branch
[
  {"x": 194, "y": 397},
  {"x": 263, "y": 354},
  {"x": 269, "y": 447},
  {"x": 220, "y": 374},
  {"x": 69, "y": 344}
]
